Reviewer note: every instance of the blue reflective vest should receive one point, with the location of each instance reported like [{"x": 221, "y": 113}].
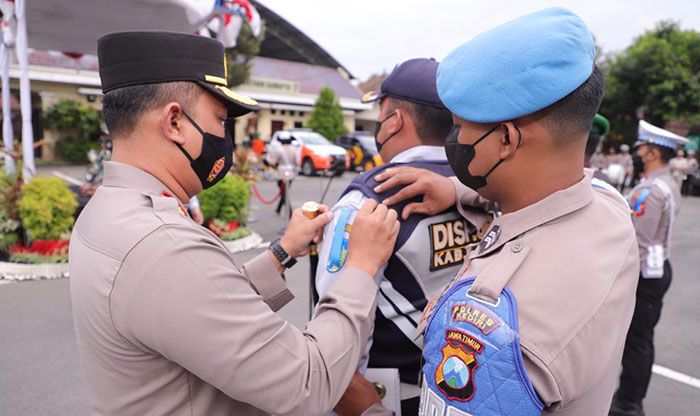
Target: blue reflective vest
[{"x": 472, "y": 359}]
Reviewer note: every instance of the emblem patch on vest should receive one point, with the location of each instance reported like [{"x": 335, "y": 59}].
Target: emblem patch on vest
[
  {"x": 454, "y": 375},
  {"x": 448, "y": 243},
  {"x": 216, "y": 169}
]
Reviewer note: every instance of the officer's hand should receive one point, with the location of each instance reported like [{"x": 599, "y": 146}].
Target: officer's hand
[
  {"x": 438, "y": 191},
  {"x": 358, "y": 397},
  {"x": 372, "y": 237},
  {"x": 302, "y": 231}
]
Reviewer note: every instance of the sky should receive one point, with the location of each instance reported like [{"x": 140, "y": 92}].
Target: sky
[{"x": 371, "y": 36}]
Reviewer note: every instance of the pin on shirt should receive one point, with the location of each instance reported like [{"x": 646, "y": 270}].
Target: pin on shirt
[
  {"x": 490, "y": 239},
  {"x": 180, "y": 208}
]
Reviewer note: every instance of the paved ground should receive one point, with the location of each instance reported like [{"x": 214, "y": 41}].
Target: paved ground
[{"x": 40, "y": 373}]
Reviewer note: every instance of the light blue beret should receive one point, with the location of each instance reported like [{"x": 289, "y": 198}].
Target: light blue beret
[{"x": 517, "y": 68}]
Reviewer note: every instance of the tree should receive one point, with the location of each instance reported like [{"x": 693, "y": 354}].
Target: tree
[
  {"x": 660, "y": 73},
  {"x": 239, "y": 58},
  {"x": 327, "y": 116}
]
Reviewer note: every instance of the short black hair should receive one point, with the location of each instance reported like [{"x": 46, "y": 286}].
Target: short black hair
[
  {"x": 432, "y": 123},
  {"x": 573, "y": 114},
  {"x": 123, "y": 107},
  {"x": 666, "y": 153}
]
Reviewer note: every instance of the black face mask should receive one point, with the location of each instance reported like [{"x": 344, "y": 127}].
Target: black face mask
[
  {"x": 216, "y": 158},
  {"x": 461, "y": 155},
  {"x": 637, "y": 163},
  {"x": 379, "y": 128}
]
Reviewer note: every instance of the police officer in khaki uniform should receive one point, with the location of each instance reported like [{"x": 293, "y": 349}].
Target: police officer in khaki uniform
[
  {"x": 655, "y": 204},
  {"x": 535, "y": 321},
  {"x": 167, "y": 323}
]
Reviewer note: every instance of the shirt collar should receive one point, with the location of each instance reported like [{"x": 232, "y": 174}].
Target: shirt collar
[
  {"x": 420, "y": 153},
  {"x": 666, "y": 170},
  {"x": 552, "y": 207},
  {"x": 121, "y": 175}
]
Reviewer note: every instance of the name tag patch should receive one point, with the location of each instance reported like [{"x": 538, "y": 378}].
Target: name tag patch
[
  {"x": 448, "y": 243},
  {"x": 481, "y": 319}
]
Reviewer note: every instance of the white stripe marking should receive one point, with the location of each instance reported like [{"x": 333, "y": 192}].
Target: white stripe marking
[
  {"x": 5, "y": 282},
  {"x": 403, "y": 305},
  {"x": 676, "y": 376},
  {"x": 67, "y": 178}
]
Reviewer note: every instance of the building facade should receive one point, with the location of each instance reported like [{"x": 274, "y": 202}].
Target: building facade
[{"x": 285, "y": 79}]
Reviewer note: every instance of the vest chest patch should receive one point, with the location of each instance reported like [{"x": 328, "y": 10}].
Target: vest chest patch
[
  {"x": 448, "y": 243},
  {"x": 455, "y": 373}
]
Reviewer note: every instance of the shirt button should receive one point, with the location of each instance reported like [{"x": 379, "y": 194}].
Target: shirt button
[{"x": 517, "y": 247}]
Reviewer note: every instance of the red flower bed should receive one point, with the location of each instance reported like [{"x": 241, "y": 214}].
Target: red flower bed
[
  {"x": 42, "y": 247},
  {"x": 219, "y": 227}
]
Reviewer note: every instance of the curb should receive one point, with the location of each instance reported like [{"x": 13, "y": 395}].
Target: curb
[{"x": 18, "y": 272}]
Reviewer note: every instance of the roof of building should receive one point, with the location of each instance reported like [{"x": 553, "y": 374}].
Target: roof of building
[
  {"x": 61, "y": 60},
  {"x": 284, "y": 41},
  {"x": 311, "y": 78}
]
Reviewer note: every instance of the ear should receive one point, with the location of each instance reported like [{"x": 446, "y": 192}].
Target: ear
[
  {"x": 511, "y": 139},
  {"x": 395, "y": 123},
  {"x": 171, "y": 122},
  {"x": 656, "y": 152}
]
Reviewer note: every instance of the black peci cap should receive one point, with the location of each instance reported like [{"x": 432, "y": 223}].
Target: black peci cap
[
  {"x": 413, "y": 80},
  {"x": 137, "y": 58}
]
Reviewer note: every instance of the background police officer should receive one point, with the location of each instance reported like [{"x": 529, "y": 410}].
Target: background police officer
[
  {"x": 655, "y": 204},
  {"x": 167, "y": 323}
]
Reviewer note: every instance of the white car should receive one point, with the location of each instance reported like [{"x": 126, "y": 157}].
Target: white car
[{"x": 316, "y": 153}]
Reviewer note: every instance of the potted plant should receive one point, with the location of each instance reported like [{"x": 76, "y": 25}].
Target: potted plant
[
  {"x": 46, "y": 209},
  {"x": 225, "y": 210},
  {"x": 225, "y": 207}
]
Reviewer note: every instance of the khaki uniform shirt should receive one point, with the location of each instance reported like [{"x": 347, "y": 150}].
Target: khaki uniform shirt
[
  {"x": 571, "y": 260},
  {"x": 168, "y": 324},
  {"x": 655, "y": 204}
]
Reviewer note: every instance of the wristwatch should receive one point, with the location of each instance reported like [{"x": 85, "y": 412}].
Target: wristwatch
[{"x": 280, "y": 254}]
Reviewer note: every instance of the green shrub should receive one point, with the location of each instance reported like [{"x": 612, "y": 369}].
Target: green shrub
[
  {"x": 74, "y": 150},
  {"x": 79, "y": 128},
  {"x": 227, "y": 200},
  {"x": 239, "y": 232},
  {"x": 46, "y": 209},
  {"x": 9, "y": 193},
  {"x": 72, "y": 115},
  {"x": 32, "y": 258}
]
